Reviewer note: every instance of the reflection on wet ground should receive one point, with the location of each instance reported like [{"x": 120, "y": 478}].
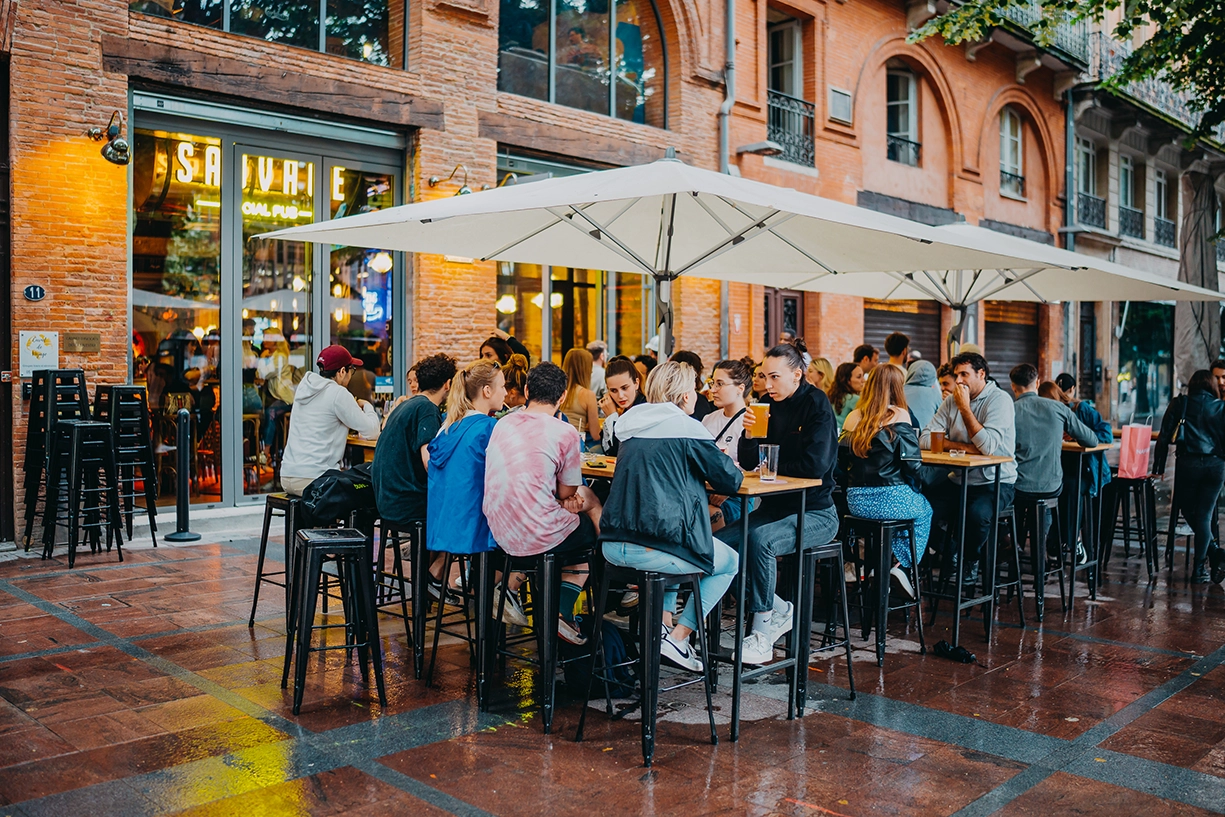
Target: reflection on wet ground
[{"x": 138, "y": 689}]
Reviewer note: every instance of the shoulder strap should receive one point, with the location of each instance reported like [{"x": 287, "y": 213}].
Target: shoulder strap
[{"x": 735, "y": 417}]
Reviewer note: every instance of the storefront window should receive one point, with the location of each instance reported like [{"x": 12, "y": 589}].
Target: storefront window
[
  {"x": 520, "y": 304},
  {"x": 629, "y": 307},
  {"x": 1146, "y": 366},
  {"x": 604, "y": 58},
  {"x": 360, "y": 290},
  {"x": 576, "y": 309},
  {"x": 277, "y": 192},
  {"x": 366, "y": 30},
  {"x": 176, "y": 297}
]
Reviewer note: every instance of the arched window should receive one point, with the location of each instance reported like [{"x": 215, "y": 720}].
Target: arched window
[{"x": 574, "y": 66}]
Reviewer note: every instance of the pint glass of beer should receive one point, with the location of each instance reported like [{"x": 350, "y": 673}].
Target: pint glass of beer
[{"x": 761, "y": 415}]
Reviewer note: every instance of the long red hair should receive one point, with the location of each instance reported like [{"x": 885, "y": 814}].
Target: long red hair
[{"x": 881, "y": 395}]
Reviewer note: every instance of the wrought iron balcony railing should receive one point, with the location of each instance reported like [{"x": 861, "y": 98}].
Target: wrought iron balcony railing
[
  {"x": 791, "y": 125},
  {"x": 1164, "y": 232},
  {"x": 903, "y": 150},
  {"x": 1070, "y": 38},
  {"x": 1012, "y": 184},
  {"x": 1090, "y": 210},
  {"x": 1131, "y": 222}
]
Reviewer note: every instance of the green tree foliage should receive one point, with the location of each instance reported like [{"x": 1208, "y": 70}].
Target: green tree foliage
[{"x": 1186, "y": 48}]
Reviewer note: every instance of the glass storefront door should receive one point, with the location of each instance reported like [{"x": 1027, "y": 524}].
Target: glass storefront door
[
  {"x": 278, "y": 348},
  {"x": 227, "y": 324}
]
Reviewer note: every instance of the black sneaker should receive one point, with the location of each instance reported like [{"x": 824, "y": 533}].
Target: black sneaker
[
  {"x": 1216, "y": 559},
  {"x": 1200, "y": 576}
]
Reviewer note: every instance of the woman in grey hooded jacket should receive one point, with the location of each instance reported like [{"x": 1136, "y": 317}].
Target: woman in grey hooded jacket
[
  {"x": 922, "y": 391},
  {"x": 656, "y": 516}
]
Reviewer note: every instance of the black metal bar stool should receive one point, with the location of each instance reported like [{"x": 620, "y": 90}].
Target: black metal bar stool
[
  {"x": 56, "y": 395},
  {"x": 82, "y": 489},
  {"x": 878, "y": 535},
  {"x": 349, "y": 549},
  {"x": 392, "y": 586},
  {"x": 464, "y": 616},
  {"x": 543, "y": 593},
  {"x": 127, "y": 411},
  {"x": 276, "y": 505},
  {"x": 1134, "y": 500},
  {"x": 651, "y": 589},
  {"x": 1008, "y": 520},
  {"x": 1033, "y": 520}
]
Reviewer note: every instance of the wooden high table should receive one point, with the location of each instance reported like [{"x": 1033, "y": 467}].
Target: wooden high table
[
  {"x": 367, "y": 446},
  {"x": 966, "y": 462},
  {"x": 796, "y": 661}
]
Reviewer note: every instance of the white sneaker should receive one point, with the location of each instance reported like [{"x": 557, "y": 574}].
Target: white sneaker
[
  {"x": 755, "y": 649},
  {"x": 569, "y": 633},
  {"x": 512, "y": 613},
  {"x": 902, "y": 581},
  {"x": 780, "y": 623},
  {"x": 683, "y": 655},
  {"x": 849, "y": 573}
]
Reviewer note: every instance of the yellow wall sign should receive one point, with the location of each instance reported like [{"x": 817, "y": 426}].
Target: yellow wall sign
[{"x": 38, "y": 350}]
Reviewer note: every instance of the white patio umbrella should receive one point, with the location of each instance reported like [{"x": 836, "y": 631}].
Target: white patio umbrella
[
  {"x": 1037, "y": 273},
  {"x": 665, "y": 219}
]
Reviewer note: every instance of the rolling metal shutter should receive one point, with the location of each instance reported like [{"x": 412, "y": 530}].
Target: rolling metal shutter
[
  {"x": 918, "y": 320},
  {"x": 1011, "y": 337}
]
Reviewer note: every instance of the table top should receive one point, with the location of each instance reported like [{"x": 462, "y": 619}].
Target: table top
[
  {"x": 359, "y": 441},
  {"x": 963, "y": 460},
  {"x": 1077, "y": 448},
  {"x": 752, "y": 485}
]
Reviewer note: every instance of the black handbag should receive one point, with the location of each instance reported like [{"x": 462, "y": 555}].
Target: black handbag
[{"x": 337, "y": 494}]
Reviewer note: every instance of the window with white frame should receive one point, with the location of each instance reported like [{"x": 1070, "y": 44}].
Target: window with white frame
[
  {"x": 1127, "y": 182},
  {"x": 1163, "y": 195},
  {"x": 786, "y": 67},
  {"x": 1012, "y": 153},
  {"x": 902, "y": 117},
  {"x": 1086, "y": 167}
]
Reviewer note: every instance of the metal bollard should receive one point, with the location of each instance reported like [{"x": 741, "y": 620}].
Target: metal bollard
[{"x": 182, "y": 443}]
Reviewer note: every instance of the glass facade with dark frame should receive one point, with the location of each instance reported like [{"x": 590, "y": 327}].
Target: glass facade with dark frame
[{"x": 371, "y": 31}]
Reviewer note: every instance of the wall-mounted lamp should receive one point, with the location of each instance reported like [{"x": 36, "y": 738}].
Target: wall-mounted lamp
[
  {"x": 116, "y": 150},
  {"x": 434, "y": 181},
  {"x": 766, "y": 148}
]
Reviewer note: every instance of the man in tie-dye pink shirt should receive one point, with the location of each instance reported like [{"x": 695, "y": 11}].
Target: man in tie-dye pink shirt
[{"x": 535, "y": 499}]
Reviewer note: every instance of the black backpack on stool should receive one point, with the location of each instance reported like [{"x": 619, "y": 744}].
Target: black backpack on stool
[{"x": 337, "y": 494}]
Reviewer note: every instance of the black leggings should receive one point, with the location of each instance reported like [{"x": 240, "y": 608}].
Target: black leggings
[{"x": 1197, "y": 481}]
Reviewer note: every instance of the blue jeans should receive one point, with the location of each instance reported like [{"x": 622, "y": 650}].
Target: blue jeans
[
  {"x": 713, "y": 585},
  {"x": 771, "y": 537},
  {"x": 895, "y": 502}
]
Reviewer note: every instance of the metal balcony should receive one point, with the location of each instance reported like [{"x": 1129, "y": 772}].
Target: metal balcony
[
  {"x": 1165, "y": 234},
  {"x": 1090, "y": 210},
  {"x": 1131, "y": 222},
  {"x": 903, "y": 150},
  {"x": 1012, "y": 185},
  {"x": 1070, "y": 38},
  {"x": 791, "y": 126}
]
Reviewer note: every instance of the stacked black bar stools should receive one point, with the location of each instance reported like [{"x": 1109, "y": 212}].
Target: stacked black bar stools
[
  {"x": 878, "y": 537},
  {"x": 651, "y": 588},
  {"x": 276, "y": 505},
  {"x": 82, "y": 492},
  {"x": 57, "y": 394},
  {"x": 127, "y": 410},
  {"x": 349, "y": 549}
]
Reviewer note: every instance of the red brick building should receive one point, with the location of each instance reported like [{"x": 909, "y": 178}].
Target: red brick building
[{"x": 242, "y": 117}]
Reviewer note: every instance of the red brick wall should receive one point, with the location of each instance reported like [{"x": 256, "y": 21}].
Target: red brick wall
[{"x": 69, "y": 205}]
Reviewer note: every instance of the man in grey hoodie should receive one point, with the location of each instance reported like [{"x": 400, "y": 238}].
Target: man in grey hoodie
[
  {"x": 977, "y": 418},
  {"x": 922, "y": 391}
]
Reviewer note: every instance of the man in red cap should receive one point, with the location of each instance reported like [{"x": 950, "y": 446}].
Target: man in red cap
[{"x": 323, "y": 413}]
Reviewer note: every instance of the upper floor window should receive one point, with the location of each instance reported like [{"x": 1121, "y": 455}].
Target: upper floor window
[
  {"x": 367, "y": 30},
  {"x": 902, "y": 117},
  {"x": 786, "y": 67},
  {"x": 1086, "y": 167},
  {"x": 1127, "y": 182},
  {"x": 1012, "y": 154},
  {"x": 1163, "y": 194},
  {"x": 595, "y": 55}
]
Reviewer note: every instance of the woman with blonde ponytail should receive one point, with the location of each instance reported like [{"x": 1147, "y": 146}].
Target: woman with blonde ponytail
[{"x": 454, "y": 519}]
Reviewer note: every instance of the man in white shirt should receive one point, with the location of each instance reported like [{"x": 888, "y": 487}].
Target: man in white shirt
[{"x": 599, "y": 356}]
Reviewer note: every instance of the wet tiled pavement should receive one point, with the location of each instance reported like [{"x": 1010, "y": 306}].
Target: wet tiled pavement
[{"x": 137, "y": 688}]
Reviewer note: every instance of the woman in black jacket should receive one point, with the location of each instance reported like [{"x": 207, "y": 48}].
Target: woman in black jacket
[
  {"x": 656, "y": 517},
  {"x": 1198, "y": 422},
  {"x": 884, "y": 464}
]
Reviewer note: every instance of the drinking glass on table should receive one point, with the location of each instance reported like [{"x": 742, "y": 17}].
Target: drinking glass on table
[{"x": 768, "y": 458}]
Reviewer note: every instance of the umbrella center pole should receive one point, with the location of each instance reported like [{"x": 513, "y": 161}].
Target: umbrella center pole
[
  {"x": 956, "y": 331},
  {"x": 663, "y": 315}
]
